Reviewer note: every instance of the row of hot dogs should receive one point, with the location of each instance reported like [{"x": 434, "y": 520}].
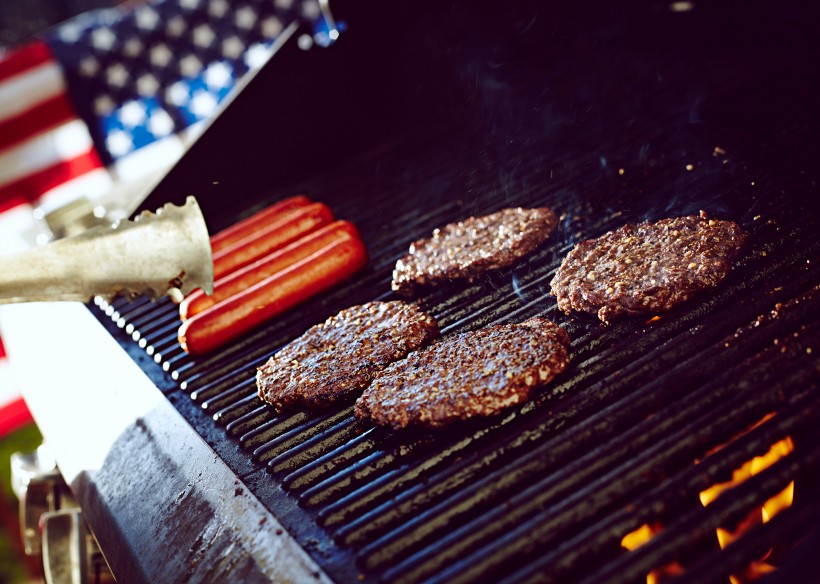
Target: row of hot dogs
[{"x": 266, "y": 264}]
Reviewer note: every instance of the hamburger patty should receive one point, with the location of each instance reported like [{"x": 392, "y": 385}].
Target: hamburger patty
[
  {"x": 469, "y": 374},
  {"x": 469, "y": 248},
  {"x": 334, "y": 360},
  {"x": 648, "y": 267}
]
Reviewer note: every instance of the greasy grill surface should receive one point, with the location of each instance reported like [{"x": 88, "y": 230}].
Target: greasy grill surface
[
  {"x": 609, "y": 446},
  {"x": 625, "y": 436}
]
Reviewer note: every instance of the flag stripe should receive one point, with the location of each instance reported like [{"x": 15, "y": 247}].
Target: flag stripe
[
  {"x": 92, "y": 185},
  {"x": 20, "y": 92},
  {"x": 31, "y": 187},
  {"x": 11, "y": 201},
  {"x": 14, "y": 415},
  {"x": 43, "y": 150},
  {"x": 43, "y": 116},
  {"x": 26, "y": 57}
]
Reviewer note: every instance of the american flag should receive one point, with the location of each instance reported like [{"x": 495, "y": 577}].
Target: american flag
[{"x": 115, "y": 94}]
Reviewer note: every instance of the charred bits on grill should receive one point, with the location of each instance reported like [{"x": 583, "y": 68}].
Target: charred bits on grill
[
  {"x": 467, "y": 249},
  {"x": 648, "y": 267},
  {"x": 333, "y": 361},
  {"x": 466, "y": 375}
]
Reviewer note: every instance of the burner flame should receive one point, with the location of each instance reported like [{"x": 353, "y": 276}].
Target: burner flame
[
  {"x": 758, "y": 568},
  {"x": 640, "y": 536},
  {"x": 783, "y": 500}
]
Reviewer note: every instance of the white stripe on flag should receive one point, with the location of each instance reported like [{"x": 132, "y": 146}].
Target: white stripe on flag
[
  {"x": 66, "y": 142},
  {"x": 149, "y": 159},
  {"x": 93, "y": 185},
  {"x": 25, "y": 90}
]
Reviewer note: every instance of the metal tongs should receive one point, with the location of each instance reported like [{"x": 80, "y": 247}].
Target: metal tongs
[{"x": 166, "y": 252}]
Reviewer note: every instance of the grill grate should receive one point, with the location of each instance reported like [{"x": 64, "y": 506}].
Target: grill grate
[
  {"x": 557, "y": 483},
  {"x": 625, "y": 436}
]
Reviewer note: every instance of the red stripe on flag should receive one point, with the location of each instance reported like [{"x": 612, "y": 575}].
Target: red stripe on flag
[
  {"x": 41, "y": 117},
  {"x": 24, "y": 58},
  {"x": 12, "y": 202},
  {"x": 14, "y": 415},
  {"x": 31, "y": 187}
]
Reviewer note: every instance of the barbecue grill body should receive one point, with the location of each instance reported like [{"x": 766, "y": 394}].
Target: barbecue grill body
[{"x": 422, "y": 114}]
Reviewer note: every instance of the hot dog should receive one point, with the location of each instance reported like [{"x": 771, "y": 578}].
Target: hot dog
[
  {"x": 272, "y": 296},
  {"x": 286, "y": 229},
  {"x": 283, "y": 258},
  {"x": 250, "y": 225}
]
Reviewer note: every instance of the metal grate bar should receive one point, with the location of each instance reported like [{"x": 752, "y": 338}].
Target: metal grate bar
[
  {"x": 659, "y": 366},
  {"x": 539, "y": 529},
  {"x": 668, "y": 498},
  {"x": 726, "y": 510},
  {"x": 249, "y": 415},
  {"x": 265, "y": 449}
]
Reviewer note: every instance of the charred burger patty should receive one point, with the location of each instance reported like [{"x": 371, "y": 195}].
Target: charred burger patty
[
  {"x": 334, "y": 360},
  {"x": 469, "y": 248},
  {"x": 648, "y": 267},
  {"x": 466, "y": 375}
]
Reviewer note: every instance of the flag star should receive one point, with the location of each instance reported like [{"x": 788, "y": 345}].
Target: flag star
[
  {"x": 218, "y": 76},
  {"x": 218, "y": 8},
  {"x": 70, "y": 32},
  {"x": 245, "y": 17},
  {"x": 132, "y": 47},
  {"x": 102, "y": 38},
  {"x": 190, "y": 4},
  {"x": 147, "y": 18},
  {"x": 160, "y": 123},
  {"x": 147, "y": 84},
  {"x": 161, "y": 55},
  {"x": 203, "y": 104},
  {"x": 271, "y": 27},
  {"x": 103, "y": 105},
  {"x": 283, "y": 4},
  {"x": 133, "y": 113},
  {"x": 203, "y": 36},
  {"x": 190, "y": 66},
  {"x": 233, "y": 47},
  {"x": 257, "y": 55},
  {"x": 310, "y": 9},
  {"x": 119, "y": 143},
  {"x": 89, "y": 66},
  {"x": 176, "y": 26},
  {"x": 116, "y": 75},
  {"x": 178, "y": 93}
]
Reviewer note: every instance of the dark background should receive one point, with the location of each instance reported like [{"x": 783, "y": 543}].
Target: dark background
[{"x": 23, "y": 20}]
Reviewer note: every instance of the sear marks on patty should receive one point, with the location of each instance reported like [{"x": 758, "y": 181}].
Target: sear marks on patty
[
  {"x": 648, "y": 267},
  {"x": 334, "y": 360},
  {"x": 470, "y": 248},
  {"x": 466, "y": 375}
]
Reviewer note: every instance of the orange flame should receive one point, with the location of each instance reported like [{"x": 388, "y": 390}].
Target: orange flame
[
  {"x": 770, "y": 508},
  {"x": 757, "y": 569},
  {"x": 640, "y": 536}
]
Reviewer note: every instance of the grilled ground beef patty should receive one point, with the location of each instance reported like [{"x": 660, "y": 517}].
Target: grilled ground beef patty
[
  {"x": 469, "y": 248},
  {"x": 334, "y": 360},
  {"x": 469, "y": 374},
  {"x": 648, "y": 267}
]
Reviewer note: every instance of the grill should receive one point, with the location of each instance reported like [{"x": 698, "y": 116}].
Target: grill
[{"x": 607, "y": 114}]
